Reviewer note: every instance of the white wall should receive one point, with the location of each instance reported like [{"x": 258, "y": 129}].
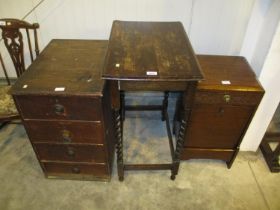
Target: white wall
[
  {"x": 260, "y": 31},
  {"x": 269, "y": 78}
]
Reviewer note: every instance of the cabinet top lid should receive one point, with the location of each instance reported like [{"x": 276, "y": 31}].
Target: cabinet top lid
[
  {"x": 227, "y": 73},
  {"x": 65, "y": 67}
]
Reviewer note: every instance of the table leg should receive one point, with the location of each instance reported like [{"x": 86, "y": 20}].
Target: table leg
[
  {"x": 116, "y": 106},
  {"x": 119, "y": 144},
  {"x": 188, "y": 99},
  {"x": 176, "y": 117},
  {"x": 164, "y": 105},
  {"x": 122, "y": 95}
]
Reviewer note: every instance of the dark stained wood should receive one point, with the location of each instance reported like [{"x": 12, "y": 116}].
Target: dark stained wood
[
  {"x": 272, "y": 136},
  {"x": 228, "y": 97},
  {"x": 77, "y": 153},
  {"x": 81, "y": 60},
  {"x": 139, "y": 47},
  {"x": 71, "y": 131},
  {"x": 68, "y": 132},
  {"x": 153, "y": 86},
  {"x": 60, "y": 107},
  {"x": 149, "y": 56},
  {"x": 221, "y": 154},
  {"x": 224, "y": 125},
  {"x": 79, "y": 171},
  {"x": 233, "y": 68},
  {"x": 13, "y": 40},
  {"x": 108, "y": 125},
  {"x": 221, "y": 113},
  {"x": 271, "y": 156},
  {"x": 148, "y": 166}
]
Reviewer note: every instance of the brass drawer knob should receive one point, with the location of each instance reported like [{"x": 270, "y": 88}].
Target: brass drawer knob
[
  {"x": 227, "y": 98},
  {"x": 66, "y": 136},
  {"x": 70, "y": 152},
  {"x": 221, "y": 111},
  {"x": 76, "y": 170},
  {"x": 58, "y": 109}
]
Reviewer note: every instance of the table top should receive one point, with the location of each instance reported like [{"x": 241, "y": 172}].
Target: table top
[
  {"x": 150, "y": 51},
  {"x": 227, "y": 73},
  {"x": 65, "y": 67}
]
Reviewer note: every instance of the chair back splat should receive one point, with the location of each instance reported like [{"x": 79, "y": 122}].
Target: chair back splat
[{"x": 13, "y": 40}]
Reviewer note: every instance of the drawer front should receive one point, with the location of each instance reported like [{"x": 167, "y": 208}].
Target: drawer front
[
  {"x": 153, "y": 85},
  {"x": 76, "y": 169},
  {"x": 65, "y": 131},
  {"x": 228, "y": 97},
  {"x": 58, "y": 107},
  {"x": 213, "y": 126},
  {"x": 74, "y": 153}
]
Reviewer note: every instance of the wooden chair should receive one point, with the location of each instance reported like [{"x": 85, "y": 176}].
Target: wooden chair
[
  {"x": 272, "y": 137},
  {"x": 13, "y": 40}
]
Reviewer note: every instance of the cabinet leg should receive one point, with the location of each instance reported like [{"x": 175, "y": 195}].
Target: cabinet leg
[
  {"x": 119, "y": 145},
  {"x": 164, "y": 105},
  {"x": 229, "y": 163}
]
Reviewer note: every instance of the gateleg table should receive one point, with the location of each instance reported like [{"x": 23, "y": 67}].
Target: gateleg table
[{"x": 150, "y": 56}]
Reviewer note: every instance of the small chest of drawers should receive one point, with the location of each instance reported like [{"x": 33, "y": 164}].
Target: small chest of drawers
[
  {"x": 65, "y": 108},
  {"x": 224, "y": 105}
]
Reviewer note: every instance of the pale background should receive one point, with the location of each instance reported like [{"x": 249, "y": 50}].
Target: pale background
[{"x": 230, "y": 27}]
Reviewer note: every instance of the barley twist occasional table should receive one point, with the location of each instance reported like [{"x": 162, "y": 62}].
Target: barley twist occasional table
[{"x": 150, "y": 56}]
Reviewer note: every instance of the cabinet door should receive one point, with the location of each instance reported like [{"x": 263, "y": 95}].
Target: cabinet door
[{"x": 217, "y": 126}]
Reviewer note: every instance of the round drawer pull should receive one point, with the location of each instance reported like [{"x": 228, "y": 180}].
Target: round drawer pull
[
  {"x": 58, "y": 109},
  {"x": 221, "y": 111},
  {"x": 66, "y": 136},
  {"x": 76, "y": 170},
  {"x": 227, "y": 98},
  {"x": 70, "y": 152}
]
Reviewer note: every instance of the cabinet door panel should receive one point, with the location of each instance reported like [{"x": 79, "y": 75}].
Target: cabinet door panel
[{"x": 213, "y": 126}]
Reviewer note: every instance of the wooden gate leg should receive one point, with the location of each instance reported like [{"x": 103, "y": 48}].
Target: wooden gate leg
[
  {"x": 122, "y": 95},
  {"x": 164, "y": 105},
  {"x": 119, "y": 144},
  {"x": 187, "y": 107},
  {"x": 179, "y": 147}
]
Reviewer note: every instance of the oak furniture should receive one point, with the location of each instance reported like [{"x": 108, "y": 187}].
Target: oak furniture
[
  {"x": 150, "y": 56},
  {"x": 270, "y": 145},
  {"x": 224, "y": 105},
  {"x": 65, "y": 109},
  {"x": 14, "y": 42}
]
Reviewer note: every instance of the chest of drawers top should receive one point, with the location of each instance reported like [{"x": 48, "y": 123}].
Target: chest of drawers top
[{"x": 65, "y": 67}]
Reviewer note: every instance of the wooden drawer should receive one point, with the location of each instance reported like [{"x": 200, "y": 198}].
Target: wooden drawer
[
  {"x": 59, "y": 107},
  {"x": 228, "y": 97},
  {"x": 217, "y": 126},
  {"x": 76, "y": 170},
  {"x": 75, "y": 153},
  {"x": 65, "y": 131}
]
